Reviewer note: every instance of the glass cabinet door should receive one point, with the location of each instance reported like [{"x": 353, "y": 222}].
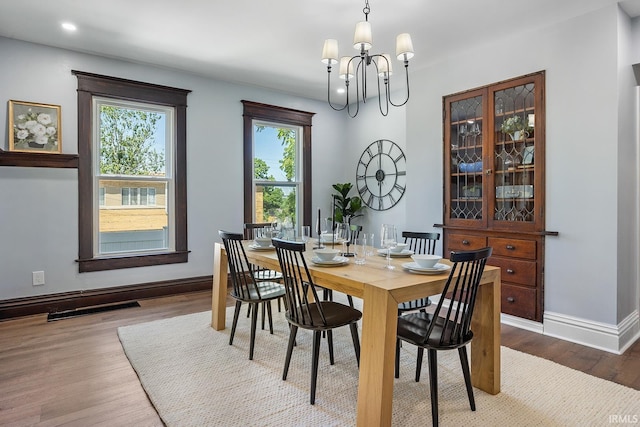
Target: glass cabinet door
[
  {"x": 515, "y": 157},
  {"x": 464, "y": 168}
]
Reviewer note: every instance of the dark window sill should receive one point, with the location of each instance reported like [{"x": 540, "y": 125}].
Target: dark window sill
[{"x": 116, "y": 263}]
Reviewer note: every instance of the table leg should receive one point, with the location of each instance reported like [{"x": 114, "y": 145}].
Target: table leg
[
  {"x": 219, "y": 291},
  {"x": 485, "y": 346},
  {"x": 379, "y": 329}
]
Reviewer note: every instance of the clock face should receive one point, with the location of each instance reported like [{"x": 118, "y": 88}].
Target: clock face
[{"x": 381, "y": 175}]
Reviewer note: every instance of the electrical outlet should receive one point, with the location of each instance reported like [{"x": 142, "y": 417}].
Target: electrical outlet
[{"x": 37, "y": 278}]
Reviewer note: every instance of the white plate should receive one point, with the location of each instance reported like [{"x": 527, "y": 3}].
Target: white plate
[
  {"x": 339, "y": 260},
  {"x": 261, "y": 248},
  {"x": 415, "y": 268},
  {"x": 405, "y": 253}
]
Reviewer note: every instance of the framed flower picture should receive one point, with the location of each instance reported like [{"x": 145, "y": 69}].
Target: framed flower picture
[{"x": 34, "y": 127}]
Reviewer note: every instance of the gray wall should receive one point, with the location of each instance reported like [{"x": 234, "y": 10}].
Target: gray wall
[
  {"x": 38, "y": 208},
  {"x": 590, "y": 154}
]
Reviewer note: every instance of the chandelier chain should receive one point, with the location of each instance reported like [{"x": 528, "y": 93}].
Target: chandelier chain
[{"x": 366, "y": 10}]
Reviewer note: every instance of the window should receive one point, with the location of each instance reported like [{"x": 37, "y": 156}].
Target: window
[
  {"x": 277, "y": 165},
  {"x": 138, "y": 196},
  {"x": 131, "y": 173},
  {"x": 277, "y": 177}
]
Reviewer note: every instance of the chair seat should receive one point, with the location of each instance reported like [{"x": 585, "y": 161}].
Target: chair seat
[
  {"x": 336, "y": 315},
  {"x": 413, "y": 328},
  {"x": 268, "y": 291}
]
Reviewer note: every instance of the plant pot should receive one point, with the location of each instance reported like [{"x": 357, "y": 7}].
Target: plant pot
[{"x": 518, "y": 135}]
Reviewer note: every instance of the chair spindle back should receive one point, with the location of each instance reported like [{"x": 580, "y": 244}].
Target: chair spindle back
[
  {"x": 297, "y": 282},
  {"x": 239, "y": 267},
  {"x": 454, "y": 325}
]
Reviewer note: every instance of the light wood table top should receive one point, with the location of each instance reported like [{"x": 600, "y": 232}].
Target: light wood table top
[{"x": 381, "y": 290}]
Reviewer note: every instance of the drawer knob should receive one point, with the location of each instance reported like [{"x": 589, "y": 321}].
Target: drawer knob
[
  {"x": 510, "y": 271},
  {"x": 511, "y": 299},
  {"x": 465, "y": 242},
  {"x": 511, "y": 247}
]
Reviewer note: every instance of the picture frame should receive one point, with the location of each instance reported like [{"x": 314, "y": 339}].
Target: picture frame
[{"x": 35, "y": 127}]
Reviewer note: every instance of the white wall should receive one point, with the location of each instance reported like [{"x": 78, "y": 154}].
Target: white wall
[
  {"x": 39, "y": 206},
  {"x": 580, "y": 59},
  {"x": 627, "y": 296}
]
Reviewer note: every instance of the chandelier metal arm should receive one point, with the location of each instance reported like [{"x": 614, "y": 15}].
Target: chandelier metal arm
[
  {"x": 384, "y": 112},
  {"x": 406, "y": 71},
  {"x": 329, "y": 91}
]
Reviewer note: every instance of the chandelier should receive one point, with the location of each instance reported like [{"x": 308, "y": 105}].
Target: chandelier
[{"x": 382, "y": 63}]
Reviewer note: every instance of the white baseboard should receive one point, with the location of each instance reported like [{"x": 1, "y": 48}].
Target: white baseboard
[
  {"x": 612, "y": 338},
  {"x": 521, "y": 323}
]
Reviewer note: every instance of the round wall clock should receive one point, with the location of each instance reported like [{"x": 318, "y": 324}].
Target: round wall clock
[{"x": 381, "y": 175}]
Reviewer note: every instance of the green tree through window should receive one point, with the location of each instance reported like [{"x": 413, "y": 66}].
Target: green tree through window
[{"x": 126, "y": 142}]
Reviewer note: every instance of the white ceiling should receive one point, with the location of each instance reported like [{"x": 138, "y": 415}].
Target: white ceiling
[{"x": 275, "y": 44}]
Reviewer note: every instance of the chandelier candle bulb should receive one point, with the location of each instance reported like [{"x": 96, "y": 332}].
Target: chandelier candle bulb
[
  {"x": 404, "y": 47},
  {"x": 330, "y": 52}
]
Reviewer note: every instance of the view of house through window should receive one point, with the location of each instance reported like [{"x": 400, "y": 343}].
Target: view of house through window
[
  {"x": 134, "y": 176},
  {"x": 277, "y": 174}
]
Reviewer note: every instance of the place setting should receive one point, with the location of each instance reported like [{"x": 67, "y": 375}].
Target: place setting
[
  {"x": 398, "y": 251},
  {"x": 328, "y": 257},
  {"x": 262, "y": 241},
  {"x": 426, "y": 264}
]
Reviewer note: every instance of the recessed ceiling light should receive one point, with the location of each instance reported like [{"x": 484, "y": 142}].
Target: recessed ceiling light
[{"x": 69, "y": 26}]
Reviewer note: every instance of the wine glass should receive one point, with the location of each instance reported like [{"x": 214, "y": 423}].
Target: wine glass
[
  {"x": 305, "y": 233},
  {"x": 343, "y": 233},
  {"x": 388, "y": 240}
]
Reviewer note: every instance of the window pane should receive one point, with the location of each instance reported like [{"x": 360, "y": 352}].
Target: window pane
[
  {"x": 275, "y": 153},
  {"x": 132, "y": 141},
  {"x": 131, "y": 227},
  {"x": 275, "y": 159},
  {"x": 276, "y": 203}
]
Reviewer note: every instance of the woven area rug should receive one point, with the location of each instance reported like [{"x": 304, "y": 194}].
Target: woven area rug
[{"x": 194, "y": 378}]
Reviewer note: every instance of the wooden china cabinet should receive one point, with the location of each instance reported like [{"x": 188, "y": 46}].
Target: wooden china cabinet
[{"x": 494, "y": 184}]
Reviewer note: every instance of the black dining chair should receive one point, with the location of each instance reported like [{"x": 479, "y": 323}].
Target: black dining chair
[
  {"x": 419, "y": 243},
  {"x": 261, "y": 273},
  {"x": 306, "y": 311},
  {"x": 245, "y": 286},
  {"x": 449, "y": 327}
]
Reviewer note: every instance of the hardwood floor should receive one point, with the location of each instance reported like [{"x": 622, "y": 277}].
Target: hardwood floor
[{"x": 73, "y": 372}]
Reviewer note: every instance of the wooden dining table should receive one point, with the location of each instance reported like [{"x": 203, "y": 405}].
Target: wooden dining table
[{"x": 381, "y": 290}]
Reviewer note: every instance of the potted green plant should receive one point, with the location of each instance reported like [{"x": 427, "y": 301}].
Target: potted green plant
[
  {"x": 516, "y": 127},
  {"x": 346, "y": 208}
]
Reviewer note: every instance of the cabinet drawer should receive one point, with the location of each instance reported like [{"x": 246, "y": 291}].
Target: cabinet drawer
[
  {"x": 518, "y": 301},
  {"x": 465, "y": 242},
  {"x": 515, "y": 271},
  {"x": 516, "y": 248}
]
